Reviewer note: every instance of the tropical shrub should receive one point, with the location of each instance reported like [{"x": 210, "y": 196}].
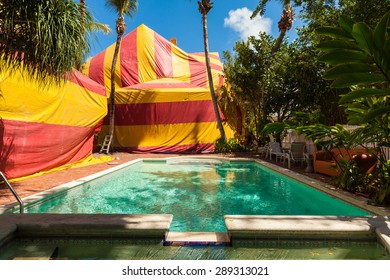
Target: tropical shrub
[
  {"x": 360, "y": 59},
  {"x": 230, "y": 146}
]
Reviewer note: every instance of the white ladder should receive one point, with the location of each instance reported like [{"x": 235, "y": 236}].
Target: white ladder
[{"x": 106, "y": 144}]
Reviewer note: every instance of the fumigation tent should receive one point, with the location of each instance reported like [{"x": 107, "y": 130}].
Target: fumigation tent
[
  {"x": 46, "y": 126},
  {"x": 162, "y": 101}
]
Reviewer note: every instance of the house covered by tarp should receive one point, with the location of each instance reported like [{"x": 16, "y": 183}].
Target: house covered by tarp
[
  {"x": 46, "y": 126},
  {"x": 162, "y": 100}
]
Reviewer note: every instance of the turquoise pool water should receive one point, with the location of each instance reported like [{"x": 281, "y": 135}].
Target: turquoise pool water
[{"x": 198, "y": 194}]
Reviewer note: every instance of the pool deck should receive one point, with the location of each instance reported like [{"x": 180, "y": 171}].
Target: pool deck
[{"x": 377, "y": 227}]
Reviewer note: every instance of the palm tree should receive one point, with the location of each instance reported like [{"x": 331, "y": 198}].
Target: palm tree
[
  {"x": 122, "y": 7},
  {"x": 45, "y": 38},
  {"x": 204, "y": 7},
  {"x": 82, "y": 7},
  {"x": 284, "y": 24}
]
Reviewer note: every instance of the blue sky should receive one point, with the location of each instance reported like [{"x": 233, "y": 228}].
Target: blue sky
[{"x": 228, "y": 22}]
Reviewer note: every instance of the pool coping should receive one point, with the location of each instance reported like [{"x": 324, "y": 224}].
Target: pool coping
[
  {"x": 349, "y": 228},
  {"x": 84, "y": 225}
]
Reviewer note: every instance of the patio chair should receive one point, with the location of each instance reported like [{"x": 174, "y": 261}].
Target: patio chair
[
  {"x": 296, "y": 153},
  {"x": 263, "y": 151},
  {"x": 274, "y": 148}
]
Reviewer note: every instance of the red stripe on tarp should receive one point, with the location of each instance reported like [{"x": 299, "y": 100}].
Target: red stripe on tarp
[
  {"x": 190, "y": 148},
  {"x": 213, "y": 66},
  {"x": 163, "y": 113},
  {"x": 129, "y": 60},
  {"x": 160, "y": 85},
  {"x": 163, "y": 57},
  {"x": 211, "y": 55},
  {"x": 96, "y": 68},
  {"x": 79, "y": 79},
  {"x": 29, "y": 147},
  {"x": 198, "y": 72},
  {"x": 216, "y": 67}
]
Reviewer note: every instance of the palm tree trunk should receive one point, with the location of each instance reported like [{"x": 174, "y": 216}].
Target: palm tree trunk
[
  {"x": 210, "y": 77},
  {"x": 278, "y": 43},
  {"x": 112, "y": 91},
  {"x": 82, "y": 9},
  {"x": 284, "y": 24}
]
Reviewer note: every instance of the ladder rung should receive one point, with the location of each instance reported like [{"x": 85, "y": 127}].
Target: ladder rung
[{"x": 106, "y": 144}]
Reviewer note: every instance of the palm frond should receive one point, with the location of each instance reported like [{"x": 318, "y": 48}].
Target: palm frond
[
  {"x": 46, "y": 38},
  {"x": 123, "y": 7}
]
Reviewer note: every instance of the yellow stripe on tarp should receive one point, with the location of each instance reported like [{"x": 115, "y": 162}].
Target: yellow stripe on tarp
[
  {"x": 107, "y": 70},
  {"x": 145, "y": 54},
  {"x": 180, "y": 65},
  {"x": 168, "y": 134},
  {"x": 85, "y": 68},
  {"x": 65, "y": 104},
  {"x": 215, "y": 73},
  {"x": 202, "y": 58},
  {"x": 129, "y": 96}
]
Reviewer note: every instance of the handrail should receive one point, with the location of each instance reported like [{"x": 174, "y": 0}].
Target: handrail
[{"x": 21, "y": 204}]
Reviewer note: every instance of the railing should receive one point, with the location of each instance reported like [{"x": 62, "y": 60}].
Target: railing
[{"x": 21, "y": 204}]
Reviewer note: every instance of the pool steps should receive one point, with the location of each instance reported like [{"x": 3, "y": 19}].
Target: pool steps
[{"x": 197, "y": 239}]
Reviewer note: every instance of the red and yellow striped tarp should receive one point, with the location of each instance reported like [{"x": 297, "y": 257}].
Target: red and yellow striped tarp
[
  {"x": 163, "y": 101},
  {"x": 46, "y": 126},
  {"x": 146, "y": 56},
  {"x": 165, "y": 115}
]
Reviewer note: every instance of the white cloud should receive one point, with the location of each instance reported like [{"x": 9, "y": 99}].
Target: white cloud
[{"x": 239, "y": 20}]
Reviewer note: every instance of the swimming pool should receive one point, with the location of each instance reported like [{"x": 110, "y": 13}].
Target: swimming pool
[{"x": 198, "y": 192}]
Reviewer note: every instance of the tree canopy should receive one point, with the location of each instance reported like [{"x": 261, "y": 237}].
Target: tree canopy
[{"x": 46, "y": 38}]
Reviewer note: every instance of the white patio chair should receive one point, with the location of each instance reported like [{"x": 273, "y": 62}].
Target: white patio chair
[
  {"x": 263, "y": 151},
  {"x": 276, "y": 149},
  {"x": 296, "y": 153}
]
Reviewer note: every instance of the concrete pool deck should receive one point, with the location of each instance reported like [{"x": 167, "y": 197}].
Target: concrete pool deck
[{"x": 377, "y": 227}]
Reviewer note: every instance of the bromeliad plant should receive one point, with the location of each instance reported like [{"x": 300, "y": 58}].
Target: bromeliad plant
[{"x": 360, "y": 59}]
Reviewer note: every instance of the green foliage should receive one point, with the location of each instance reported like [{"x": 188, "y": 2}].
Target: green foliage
[
  {"x": 381, "y": 185},
  {"x": 230, "y": 146},
  {"x": 327, "y": 12},
  {"x": 243, "y": 74},
  {"x": 351, "y": 178},
  {"x": 355, "y": 53},
  {"x": 327, "y": 137},
  {"x": 46, "y": 38},
  {"x": 123, "y": 7},
  {"x": 370, "y": 103},
  {"x": 359, "y": 58}
]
